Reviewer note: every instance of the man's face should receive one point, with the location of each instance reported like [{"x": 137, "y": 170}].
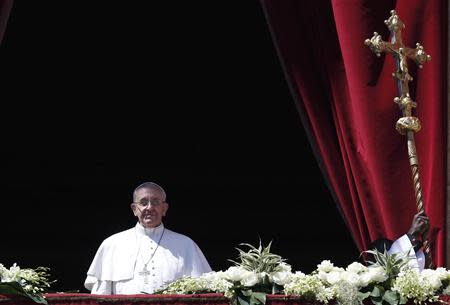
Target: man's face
[{"x": 149, "y": 207}]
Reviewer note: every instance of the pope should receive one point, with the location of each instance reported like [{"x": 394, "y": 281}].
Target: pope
[{"x": 147, "y": 256}]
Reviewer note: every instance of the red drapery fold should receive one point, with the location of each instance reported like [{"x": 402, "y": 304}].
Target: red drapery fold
[
  {"x": 345, "y": 94},
  {"x": 5, "y": 9}
]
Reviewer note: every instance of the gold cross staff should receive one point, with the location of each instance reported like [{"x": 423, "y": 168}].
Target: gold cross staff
[{"x": 407, "y": 124}]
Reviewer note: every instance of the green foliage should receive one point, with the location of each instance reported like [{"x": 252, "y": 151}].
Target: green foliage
[
  {"x": 14, "y": 288},
  {"x": 392, "y": 263},
  {"x": 381, "y": 293},
  {"x": 389, "y": 280},
  {"x": 261, "y": 261},
  {"x": 250, "y": 297},
  {"x": 258, "y": 259}
]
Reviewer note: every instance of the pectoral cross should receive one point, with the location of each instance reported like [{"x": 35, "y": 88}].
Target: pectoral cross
[
  {"x": 145, "y": 273},
  {"x": 407, "y": 124}
]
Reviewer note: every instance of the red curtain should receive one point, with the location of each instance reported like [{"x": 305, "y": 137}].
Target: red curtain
[
  {"x": 5, "y": 9},
  {"x": 345, "y": 94}
]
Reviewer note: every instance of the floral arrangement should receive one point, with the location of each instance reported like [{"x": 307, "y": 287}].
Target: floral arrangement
[
  {"x": 30, "y": 283},
  {"x": 258, "y": 273},
  {"x": 389, "y": 280}
]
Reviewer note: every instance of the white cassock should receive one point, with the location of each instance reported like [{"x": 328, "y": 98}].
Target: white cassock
[
  {"x": 403, "y": 245},
  {"x": 132, "y": 262}
]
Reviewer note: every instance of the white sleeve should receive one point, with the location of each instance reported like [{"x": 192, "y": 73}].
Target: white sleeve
[
  {"x": 403, "y": 245},
  {"x": 102, "y": 287},
  {"x": 196, "y": 262}
]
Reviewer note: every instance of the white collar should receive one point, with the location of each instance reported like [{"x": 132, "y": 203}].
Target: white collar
[{"x": 150, "y": 232}]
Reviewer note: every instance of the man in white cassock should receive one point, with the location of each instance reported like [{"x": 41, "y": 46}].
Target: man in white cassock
[
  {"x": 144, "y": 258},
  {"x": 410, "y": 243}
]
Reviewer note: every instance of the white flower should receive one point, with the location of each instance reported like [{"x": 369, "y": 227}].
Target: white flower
[
  {"x": 282, "y": 277},
  {"x": 212, "y": 276},
  {"x": 284, "y": 267},
  {"x": 235, "y": 274},
  {"x": 412, "y": 285},
  {"x": 325, "y": 266},
  {"x": 215, "y": 281},
  {"x": 322, "y": 275},
  {"x": 333, "y": 277},
  {"x": 12, "y": 275},
  {"x": 250, "y": 279},
  {"x": 441, "y": 273},
  {"x": 377, "y": 274},
  {"x": 3, "y": 271},
  {"x": 346, "y": 293},
  {"x": 356, "y": 268},
  {"x": 351, "y": 278},
  {"x": 432, "y": 277},
  {"x": 309, "y": 287},
  {"x": 32, "y": 281},
  {"x": 365, "y": 279}
]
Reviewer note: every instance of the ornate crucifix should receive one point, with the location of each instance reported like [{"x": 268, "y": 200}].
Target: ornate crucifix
[{"x": 407, "y": 124}]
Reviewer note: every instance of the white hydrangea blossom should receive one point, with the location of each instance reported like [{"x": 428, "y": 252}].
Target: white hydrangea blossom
[
  {"x": 346, "y": 293},
  {"x": 309, "y": 286},
  {"x": 215, "y": 281},
  {"x": 411, "y": 284}
]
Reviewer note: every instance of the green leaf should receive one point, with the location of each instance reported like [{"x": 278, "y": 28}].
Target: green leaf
[
  {"x": 377, "y": 291},
  {"x": 38, "y": 299},
  {"x": 14, "y": 288},
  {"x": 258, "y": 259},
  {"x": 391, "y": 297},
  {"x": 242, "y": 300},
  {"x": 391, "y": 263},
  {"x": 363, "y": 295},
  {"x": 258, "y": 298},
  {"x": 376, "y": 302}
]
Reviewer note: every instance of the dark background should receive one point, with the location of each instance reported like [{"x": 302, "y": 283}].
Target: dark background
[{"x": 100, "y": 96}]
